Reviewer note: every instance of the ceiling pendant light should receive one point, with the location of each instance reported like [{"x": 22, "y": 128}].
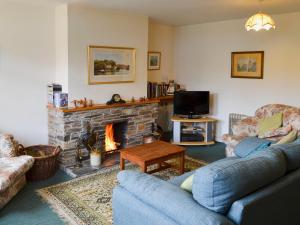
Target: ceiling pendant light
[{"x": 260, "y": 21}]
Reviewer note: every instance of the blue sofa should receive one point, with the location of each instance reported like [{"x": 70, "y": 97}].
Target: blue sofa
[{"x": 260, "y": 189}]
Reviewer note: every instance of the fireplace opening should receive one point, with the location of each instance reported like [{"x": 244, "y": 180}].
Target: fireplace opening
[{"x": 115, "y": 136}]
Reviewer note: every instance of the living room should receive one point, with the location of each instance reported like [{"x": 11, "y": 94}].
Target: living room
[{"x": 190, "y": 47}]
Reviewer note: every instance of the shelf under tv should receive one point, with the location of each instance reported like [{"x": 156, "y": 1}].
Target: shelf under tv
[
  {"x": 193, "y": 143},
  {"x": 207, "y": 131}
]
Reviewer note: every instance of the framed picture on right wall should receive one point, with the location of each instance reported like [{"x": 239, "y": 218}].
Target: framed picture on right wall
[{"x": 247, "y": 64}]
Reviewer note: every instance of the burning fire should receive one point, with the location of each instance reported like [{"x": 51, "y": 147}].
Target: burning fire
[{"x": 110, "y": 143}]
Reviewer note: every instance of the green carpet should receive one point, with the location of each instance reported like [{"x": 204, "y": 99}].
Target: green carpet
[
  {"x": 207, "y": 153},
  {"x": 26, "y": 208}
]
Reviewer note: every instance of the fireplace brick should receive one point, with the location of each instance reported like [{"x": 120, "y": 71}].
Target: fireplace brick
[{"x": 141, "y": 127}]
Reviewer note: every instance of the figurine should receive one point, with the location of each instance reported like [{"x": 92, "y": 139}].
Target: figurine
[
  {"x": 142, "y": 99},
  {"x": 83, "y": 103},
  {"x": 171, "y": 88},
  {"x": 75, "y": 103},
  {"x": 115, "y": 99},
  {"x": 90, "y": 103}
]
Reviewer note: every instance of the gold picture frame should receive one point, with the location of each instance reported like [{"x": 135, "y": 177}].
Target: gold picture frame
[
  {"x": 248, "y": 64},
  {"x": 154, "y": 60},
  {"x": 108, "y": 65}
]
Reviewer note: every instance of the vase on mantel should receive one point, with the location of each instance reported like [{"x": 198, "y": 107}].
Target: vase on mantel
[{"x": 95, "y": 158}]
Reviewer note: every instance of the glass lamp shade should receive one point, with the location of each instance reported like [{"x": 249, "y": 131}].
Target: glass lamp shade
[{"x": 260, "y": 21}]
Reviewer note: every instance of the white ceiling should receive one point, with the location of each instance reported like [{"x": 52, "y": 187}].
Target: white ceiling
[{"x": 183, "y": 12}]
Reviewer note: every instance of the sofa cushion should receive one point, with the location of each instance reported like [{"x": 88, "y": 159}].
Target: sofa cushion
[
  {"x": 179, "y": 179},
  {"x": 250, "y": 145},
  {"x": 217, "y": 185},
  {"x": 187, "y": 184},
  {"x": 13, "y": 168},
  {"x": 291, "y": 152},
  {"x": 168, "y": 199}
]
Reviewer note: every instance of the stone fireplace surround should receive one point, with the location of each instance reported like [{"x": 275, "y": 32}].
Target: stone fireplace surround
[{"x": 65, "y": 126}]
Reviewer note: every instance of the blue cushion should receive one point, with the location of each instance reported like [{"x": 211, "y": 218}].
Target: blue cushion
[
  {"x": 217, "y": 185},
  {"x": 250, "y": 145},
  {"x": 291, "y": 152}
]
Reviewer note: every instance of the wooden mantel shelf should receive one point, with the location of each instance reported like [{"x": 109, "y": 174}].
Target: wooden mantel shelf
[
  {"x": 104, "y": 106},
  {"x": 168, "y": 98}
]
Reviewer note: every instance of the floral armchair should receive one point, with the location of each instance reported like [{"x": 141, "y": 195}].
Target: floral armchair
[
  {"x": 12, "y": 168},
  {"x": 248, "y": 127}
]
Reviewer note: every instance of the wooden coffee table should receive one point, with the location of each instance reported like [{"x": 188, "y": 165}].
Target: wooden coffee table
[{"x": 154, "y": 153}]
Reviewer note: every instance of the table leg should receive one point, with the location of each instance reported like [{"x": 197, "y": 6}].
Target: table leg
[
  {"x": 144, "y": 168},
  {"x": 159, "y": 165},
  {"x": 122, "y": 163},
  {"x": 181, "y": 166}
]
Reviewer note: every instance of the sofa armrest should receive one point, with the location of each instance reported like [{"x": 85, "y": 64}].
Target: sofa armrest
[
  {"x": 169, "y": 199},
  {"x": 8, "y": 146}
]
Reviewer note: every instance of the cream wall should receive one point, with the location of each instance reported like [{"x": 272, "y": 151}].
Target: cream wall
[
  {"x": 202, "y": 62},
  {"x": 161, "y": 39},
  {"x": 61, "y": 46},
  {"x": 26, "y": 67},
  {"x": 41, "y": 44},
  {"x": 88, "y": 26}
]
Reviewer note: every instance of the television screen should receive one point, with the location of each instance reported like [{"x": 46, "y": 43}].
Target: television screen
[{"x": 189, "y": 103}]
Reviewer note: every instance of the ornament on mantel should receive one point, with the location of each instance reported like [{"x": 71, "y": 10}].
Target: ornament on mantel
[{"x": 83, "y": 103}]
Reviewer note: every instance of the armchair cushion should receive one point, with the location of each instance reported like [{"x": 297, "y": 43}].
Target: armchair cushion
[
  {"x": 169, "y": 199},
  {"x": 292, "y": 136},
  {"x": 269, "y": 123},
  {"x": 217, "y": 185},
  {"x": 8, "y": 146},
  {"x": 279, "y": 132},
  {"x": 13, "y": 168}
]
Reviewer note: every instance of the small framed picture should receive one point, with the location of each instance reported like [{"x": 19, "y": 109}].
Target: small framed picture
[
  {"x": 247, "y": 64},
  {"x": 154, "y": 60}
]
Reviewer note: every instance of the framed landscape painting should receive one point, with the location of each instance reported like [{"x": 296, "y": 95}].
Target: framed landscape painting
[
  {"x": 154, "y": 60},
  {"x": 247, "y": 64},
  {"x": 110, "y": 65}
]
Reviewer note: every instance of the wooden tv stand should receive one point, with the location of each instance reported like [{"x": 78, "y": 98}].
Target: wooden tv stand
[{"x": 204, "y": 127}]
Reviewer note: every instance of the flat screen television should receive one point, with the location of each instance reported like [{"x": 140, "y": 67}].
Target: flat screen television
[{"x": 191, "y": 103}]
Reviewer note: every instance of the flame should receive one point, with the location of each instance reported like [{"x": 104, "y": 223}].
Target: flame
[{"x": 110, "y": 143}]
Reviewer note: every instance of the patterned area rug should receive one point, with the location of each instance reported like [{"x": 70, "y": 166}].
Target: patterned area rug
[{"x": 87, "y": 200}]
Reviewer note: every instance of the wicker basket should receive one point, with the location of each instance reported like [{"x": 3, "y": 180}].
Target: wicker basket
[{"x": 45, "y": 165}]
